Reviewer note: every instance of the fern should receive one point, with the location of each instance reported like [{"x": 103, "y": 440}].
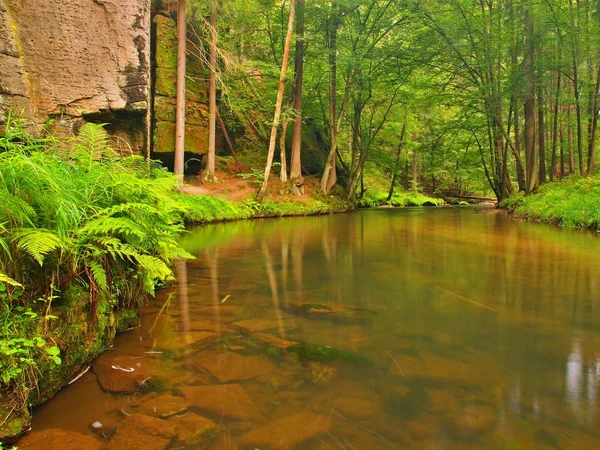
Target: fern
[
  {"x": 37, "y": 242},
  {"x": 98, "y": 274}
]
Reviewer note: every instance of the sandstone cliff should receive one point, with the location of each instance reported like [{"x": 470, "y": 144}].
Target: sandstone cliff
[{"x": 75, "y": 60}]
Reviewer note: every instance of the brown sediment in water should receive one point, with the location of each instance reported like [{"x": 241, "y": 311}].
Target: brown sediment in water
[{"x": 391, "y": 354}]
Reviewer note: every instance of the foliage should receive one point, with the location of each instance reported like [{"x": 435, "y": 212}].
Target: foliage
[
  {"x": 74, "y": 213},
  {"x": 574, "y": 202},
  {"x": 399, "y": 199}
]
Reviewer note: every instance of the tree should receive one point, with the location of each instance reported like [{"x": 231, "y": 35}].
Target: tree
[
  {"x": 212, "y": 94},
  {"x": 296, "y": 165},
  {"x": 180, "y": 106},
  {"x": 278, "y": 105}
]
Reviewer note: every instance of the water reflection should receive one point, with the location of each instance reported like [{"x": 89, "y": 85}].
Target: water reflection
[{"x": 417, "y": 329}]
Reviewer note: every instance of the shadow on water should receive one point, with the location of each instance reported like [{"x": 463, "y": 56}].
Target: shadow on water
[{"x": 413, "y": 329}]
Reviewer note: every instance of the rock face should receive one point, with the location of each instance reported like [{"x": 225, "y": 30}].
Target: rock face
[
  {"x": 196, "y": 117},
  {"x": 77, "y": 60}
]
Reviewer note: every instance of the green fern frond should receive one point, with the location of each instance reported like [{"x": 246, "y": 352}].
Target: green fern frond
[
  {"x": 5, "y": 279},
  {"x": 37, "y": 242},
  {"x": 98, "y": 274},
  {"x": 110, "y": 226}
]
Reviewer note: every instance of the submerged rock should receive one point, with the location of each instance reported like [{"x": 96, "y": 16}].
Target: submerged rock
[
  {"x": 434, "y": 368},
  {"x": 255, "y": 325},
  {"x": 307, "y": 351},
  {"x": 163, "y": 406},
  {"x": 195, "y": 430},
  {"x": 357, "y": 408},
  {"x": 471, "y": 422},
  {"x": 274, "y": 341},
  {"x": 140, "y": 431},
  {"x": 329, "y": 312},
  {"x": 228, "y": 367},
  {"x": 322, "y": 373},
  {"x": 229, "y": 401},
  {"x": 58, "y": 439},
  {"x": 287, "y": 433},
  {"x": 121, "y": 374}
]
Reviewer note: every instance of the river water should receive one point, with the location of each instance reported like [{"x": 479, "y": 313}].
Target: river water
[{"x": 391, "y": 328}]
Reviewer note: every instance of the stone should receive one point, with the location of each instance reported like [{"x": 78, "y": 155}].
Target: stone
[
  {"x": 195, "y": 430},
  {"x": 228, "y": 401},
  {"x": 472, "y": 422},
  {"x": 323, "y": 373},
  {"x": 121, "y": 374},
  {"x": 163, "y": 406},
  {"x": 287, "y": 433},
  {"x": 195, "y": 113},
  {"x": 231, "y": 366},
  {"x": 442, "y": 401},
  {"x": 140, "y": 431},
  {"x": 104, "y": 429},
  {"x": 274, "y": 341},
  {"x": 255, "y": 325},
  {"x": 357, "y": 408},
  {"x": 58, "y": 439},
  {"x": 196, "y": 138},
  {"x": 80, "y": 57},
  {"x": 433, "y": 368},
  {"x": 179, "y": 340}
]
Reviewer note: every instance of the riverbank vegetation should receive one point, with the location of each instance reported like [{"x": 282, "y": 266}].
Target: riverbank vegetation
[
  {"x": 574, "y": 202},
  {"x": 451, "y": 99}
]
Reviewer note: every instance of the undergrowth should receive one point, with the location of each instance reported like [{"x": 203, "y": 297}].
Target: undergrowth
[
  {"x": 574, "y": 202},
  {"x": 373, "y": 198},
  {"x": 74, "y": 213}
]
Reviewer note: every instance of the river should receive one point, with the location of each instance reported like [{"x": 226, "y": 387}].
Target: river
[{"x": 389, "y": 328}]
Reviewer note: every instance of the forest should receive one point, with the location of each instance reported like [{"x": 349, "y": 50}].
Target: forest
[
  {"x": 308, "y": 108},
  {"x": 448, "y": 97}
]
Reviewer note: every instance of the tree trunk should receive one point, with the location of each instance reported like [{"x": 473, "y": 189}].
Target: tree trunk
[
  {"x": 296, "y": 160},
  {"x": 283, "y": 172},
  {"x": 555, "y": 127},
  {"x": 212, "y": 94},
  {"x": 329, "y": 174},
  {"x": 397, "y": 164},
  {"x": 529, "y": 132},
  {"x": 541, "y": 135},
  {"x": 286, "y": 55},
  {"x": 591, "y": 163},
  {"x": 180, "y": 107},
  {"x": 415, "y": 172}
]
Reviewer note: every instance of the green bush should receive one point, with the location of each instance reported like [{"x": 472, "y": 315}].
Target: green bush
[{"x": 574, "y": 202}]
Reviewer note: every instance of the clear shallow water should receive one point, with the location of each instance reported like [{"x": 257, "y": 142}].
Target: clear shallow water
[{"x": 433, "y": 329}]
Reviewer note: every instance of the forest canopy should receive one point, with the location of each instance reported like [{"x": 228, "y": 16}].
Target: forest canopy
[{"x": 449, "y": 96}]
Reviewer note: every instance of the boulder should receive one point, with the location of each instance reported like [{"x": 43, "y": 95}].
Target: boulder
[
  {"x": 163, "y": 406},
  {"x": 228, "y": 401},
  {"x": 434, "y": 368},
  {"x": 195, "y": 430},
  {"x": 472, "y": 422},
  {"x": 254, "y": 325},
  {"x": 140, "y": 431},
  {"x": 286, "y": 433},
  {"x": 58, "y": 439},
  {"x": 122, "y": 374},
  {"x": 228, "y": 367}
]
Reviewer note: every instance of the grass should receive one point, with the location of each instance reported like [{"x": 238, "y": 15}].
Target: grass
[{"x": 573, "y": 202}]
